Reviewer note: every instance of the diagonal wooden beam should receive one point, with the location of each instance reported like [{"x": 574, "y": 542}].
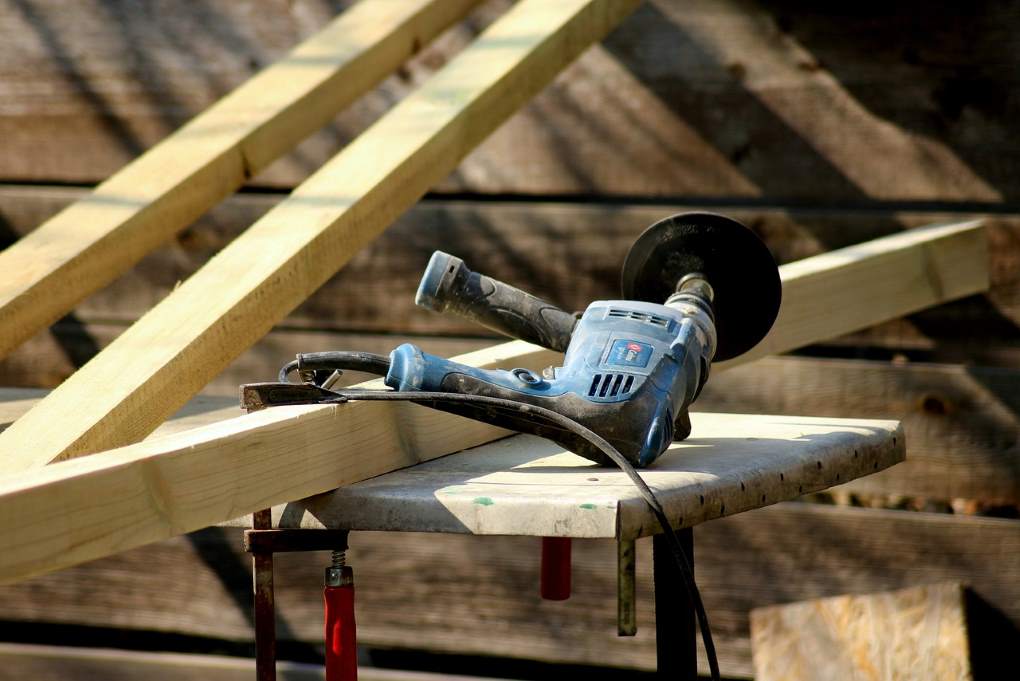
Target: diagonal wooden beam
[
  {"x": 862, "y": 285},
  {"x": 94, "y": 240},
  {"x": 78, "y": 510},
  {"x": 170, "y": 353}
]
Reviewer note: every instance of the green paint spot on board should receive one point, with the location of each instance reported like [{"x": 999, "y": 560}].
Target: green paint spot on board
[
  {"x": 484, "y": 501},
  {"x": 588, "y": 507}
]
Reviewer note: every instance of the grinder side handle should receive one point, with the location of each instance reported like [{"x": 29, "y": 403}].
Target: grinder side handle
[{"x": 448, "y": 285}]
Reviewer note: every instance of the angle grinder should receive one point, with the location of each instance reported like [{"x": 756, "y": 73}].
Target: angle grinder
[{"x": 697, "y": 287}]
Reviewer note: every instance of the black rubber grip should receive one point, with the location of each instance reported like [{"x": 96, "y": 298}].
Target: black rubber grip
[{"x": 448, "y": 285}]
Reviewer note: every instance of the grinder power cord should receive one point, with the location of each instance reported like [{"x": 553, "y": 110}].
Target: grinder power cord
[{"x": 697, "y": 287}]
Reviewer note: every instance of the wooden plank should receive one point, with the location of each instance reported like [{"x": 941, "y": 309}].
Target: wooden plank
[
  {"x": 503, "y": 238},
  {"x": 857, "y": 286},
  {"x": 479, "y": 595},
  {"x": 188, "y": 338},
  {"x": 153, "y": 488},
  {"x": 308, "y": 433},
  {"x": 835, "y": 106},
  {"x": 524, "y": 485},
  {"x": 918, "y": 633},
  {"x": 92, "y": 241},
  {"x": 67, "y": 663},
  {"x": 960, "y": 422}
]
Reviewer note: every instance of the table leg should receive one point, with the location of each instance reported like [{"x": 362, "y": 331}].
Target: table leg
[
  {"x": 265, "y": 610},
  {"x": 675, "y": 630}
]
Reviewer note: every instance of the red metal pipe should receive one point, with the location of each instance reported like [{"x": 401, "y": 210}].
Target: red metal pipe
[{"x": 555, "y": 568}]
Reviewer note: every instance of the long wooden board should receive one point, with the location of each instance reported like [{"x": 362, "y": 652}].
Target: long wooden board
[
  {"x": 961, "y": 422},
  {"x": 290, "y": 453},
  {"x": 479, "y": 595},
  {"x": 835, "y": 106},
  {"x": 91, "y": 242},
  {"x": 857, "y": 286},
  {"x": 188, "y": 338}
]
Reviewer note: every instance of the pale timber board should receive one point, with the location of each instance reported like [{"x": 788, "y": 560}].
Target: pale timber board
[
  {"x": 169, "y": 354},
  {"x": 857, "y": 286},
  {"x": 94, "y": 506},
  {"x": 525, "y": 485},
  {"x": 93, "y": 240},
  {"x": 914, "y": 634},
  {"x": 67, "y": 663},
  {"x": 960, "y": 422},
  {"x": 250, "y": 463}
]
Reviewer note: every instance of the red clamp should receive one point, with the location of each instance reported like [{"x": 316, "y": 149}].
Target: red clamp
[
  {"x": 341, "y": 637},
  {"x": 555, "y": 568}
]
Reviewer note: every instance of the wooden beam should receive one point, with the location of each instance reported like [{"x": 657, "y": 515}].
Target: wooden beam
[
  {"x": 155, "y": 489},
  {"x": 167, "y": 486},
  {"x": 94, "y": 240},
  {"x": 169, "y": 354},
  {"x": 858, "y": 286}
]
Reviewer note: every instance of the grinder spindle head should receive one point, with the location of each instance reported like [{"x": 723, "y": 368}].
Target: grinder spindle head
[{"x": 744, "y": 280}]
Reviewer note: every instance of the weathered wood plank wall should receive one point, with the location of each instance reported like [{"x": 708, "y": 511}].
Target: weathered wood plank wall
[{"x": 819, "y": 126}]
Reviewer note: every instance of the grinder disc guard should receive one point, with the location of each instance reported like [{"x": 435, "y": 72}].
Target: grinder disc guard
[{"x": 736, "y": 263}]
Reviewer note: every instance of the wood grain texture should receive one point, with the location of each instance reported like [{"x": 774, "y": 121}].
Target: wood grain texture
[
  {"x": 548, "y": 248},
  {"x": 961, "y": 422},
  {"x": 524, "y": 485},
  {"x": 91, "y": 242},
  {"x": 724, "y": 98},
  {"x": 176, "y": 484},
  {"x": 915, "y": 634},
  {"x": 479, "y": 595},
  {"x": 235, "y": 299},
  {"x": 67, "y": 663},
  {"x": 857, "y": 286}
]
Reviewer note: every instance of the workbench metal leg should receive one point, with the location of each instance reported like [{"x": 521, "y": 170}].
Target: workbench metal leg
[
  {"x": 265, "y": 609},
  {"x": 626, "y": 588},
  {"x": 675, "y": 630}
]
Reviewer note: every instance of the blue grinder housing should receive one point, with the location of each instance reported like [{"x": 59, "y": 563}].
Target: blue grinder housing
[{"x": 629, "y": 370}]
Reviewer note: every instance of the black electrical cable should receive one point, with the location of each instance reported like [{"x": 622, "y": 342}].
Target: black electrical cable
[{"x": 341, "y": 360}]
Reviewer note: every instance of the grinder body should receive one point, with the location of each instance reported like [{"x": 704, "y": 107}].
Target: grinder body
[{"x": 630, "y": 372}]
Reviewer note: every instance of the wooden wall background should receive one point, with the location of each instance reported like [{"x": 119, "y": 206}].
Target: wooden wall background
[{"x": 820, "y": 127}]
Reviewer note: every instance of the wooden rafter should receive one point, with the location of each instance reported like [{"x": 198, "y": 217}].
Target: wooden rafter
[
  {"x": 169, "y": 354},
  {"x": 91, "y": 242},
  {"x": 50, "y": 518}
]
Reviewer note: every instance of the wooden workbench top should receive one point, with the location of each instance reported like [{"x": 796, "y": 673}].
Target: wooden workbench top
[{"x": 525, "y": 485}]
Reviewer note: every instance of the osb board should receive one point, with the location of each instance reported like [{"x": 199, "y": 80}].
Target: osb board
[
  {"x": 703, "y": 98},
  {"x": 569, "y": 254},
  {"x": 916, "y": 634},
  {"x": 524, "y": 485}
]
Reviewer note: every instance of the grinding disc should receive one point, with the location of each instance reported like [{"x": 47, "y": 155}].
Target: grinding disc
[{"x": 736, "y": 263}]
